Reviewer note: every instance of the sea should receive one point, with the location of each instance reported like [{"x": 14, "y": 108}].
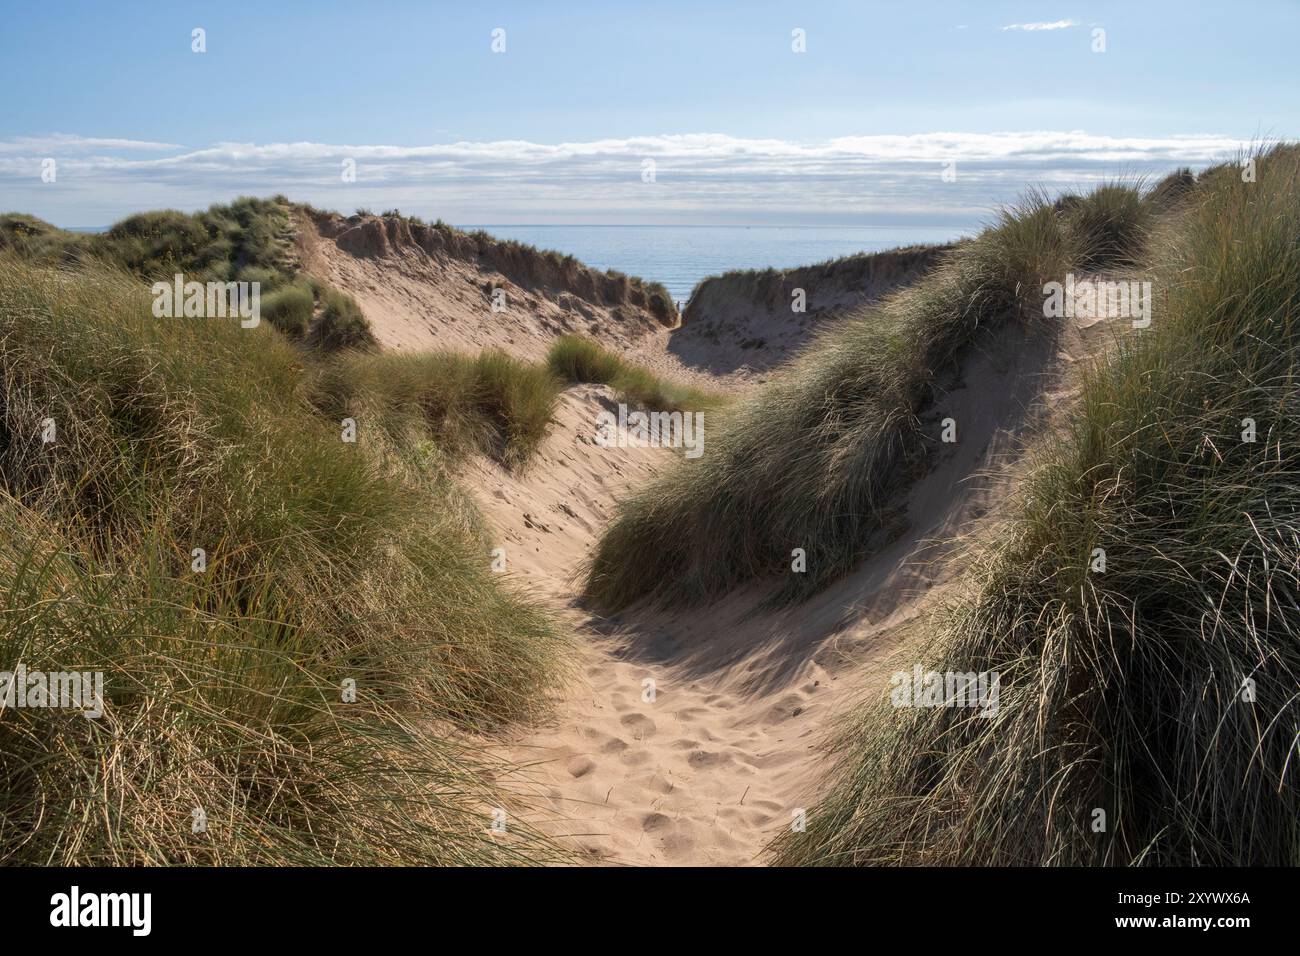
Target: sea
[{"x": 680, "y": 256}]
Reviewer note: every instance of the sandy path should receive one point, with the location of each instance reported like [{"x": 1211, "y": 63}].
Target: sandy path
[
  {"x": 693, "y": 737},
  {"x": 645, "y": 760}
]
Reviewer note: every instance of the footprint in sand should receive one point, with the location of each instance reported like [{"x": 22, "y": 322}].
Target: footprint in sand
[
  {"x": 677, "y": 845},
  {"x": 688, "y": 714},
  {"x": 579, "y": 766},
  {"x": 708, "y": 758},
  {"x": 639, "y": 724},
  {"x": 652, "y": 822},
  {"x": 791, "y": 705}
]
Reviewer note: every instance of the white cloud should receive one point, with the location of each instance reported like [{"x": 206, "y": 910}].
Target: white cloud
[
  {"x": 1053, "y": 25},
  {"x": 67, "y": 142},
  {"x": 700, "y": 177}
]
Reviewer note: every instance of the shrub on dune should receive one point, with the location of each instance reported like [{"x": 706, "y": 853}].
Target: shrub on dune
[
  {"x": 1108, "y": 226},
  {"x": 249, "y": 240},
  {"x": 1172, "y": 190}
]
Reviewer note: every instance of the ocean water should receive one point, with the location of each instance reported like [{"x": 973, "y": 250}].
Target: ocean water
[{"x": 680, "y": 256}]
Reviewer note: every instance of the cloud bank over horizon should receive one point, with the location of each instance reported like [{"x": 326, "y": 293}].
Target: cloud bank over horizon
[
  {"x": 939, "y": 179},
  {"x": 1036, "y": 27}
]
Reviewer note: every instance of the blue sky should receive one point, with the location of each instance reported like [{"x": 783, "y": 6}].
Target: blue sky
[{"x": 558, "y": 128}]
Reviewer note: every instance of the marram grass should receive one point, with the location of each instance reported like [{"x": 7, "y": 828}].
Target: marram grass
[
  {"x": 1150, "y": 711},
  {"x": 576, "y": 359},
  {"x": 326, "y": 562},
  {"x": 815, "y": 459}
]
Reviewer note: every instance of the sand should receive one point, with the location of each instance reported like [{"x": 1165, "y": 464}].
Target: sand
[
  {"x": 694, "y": 737},
  {"x": 415, "y": 301},
  {"x": 729, "y": 748}
]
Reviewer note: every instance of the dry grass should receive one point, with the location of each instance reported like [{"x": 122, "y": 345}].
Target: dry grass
[
  {"x": 327, "y": 561},
  {"x": 815, "y": 460},
  {"x": 575, "y": 359},
  {"x": 1162, "y": 691},
  {"x": 490, "y": 403}
]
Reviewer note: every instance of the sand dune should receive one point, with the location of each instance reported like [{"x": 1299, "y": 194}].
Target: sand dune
[
  {"x": 726, "y": 750},
  {"x": 420, "y": 295},
  {"x": 693, "y": 737},
  {"x": 425, "y": 296},
  {"x": 742, "y": 325}
]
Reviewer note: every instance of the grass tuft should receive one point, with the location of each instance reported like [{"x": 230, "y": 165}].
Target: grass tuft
[
  {"x": 290, "y": 310},
  {"x": 489, "y": 403},
  {"x": 576, "y": 359},
  {"x": 340, "y": 325},
  {"x": 1108, "y": 228}
]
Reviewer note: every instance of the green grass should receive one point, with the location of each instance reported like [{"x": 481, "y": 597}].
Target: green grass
[
  {"x": 340, "y": 324},
  {"x": 490, "y": 403},
  {"x": 326, "y": 561},
  {"x": 1108, "y": 228},
  {"x": 290, "y": 310},
  {"x": 249, "y": 240},
  {"x": 576, "y": 359},
  {"x": 857, "y": 266},
  {"x": 815, "y": 459},
  {"x": 1122, "y": 690},
  {"x": 1171, "y": 190}
]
